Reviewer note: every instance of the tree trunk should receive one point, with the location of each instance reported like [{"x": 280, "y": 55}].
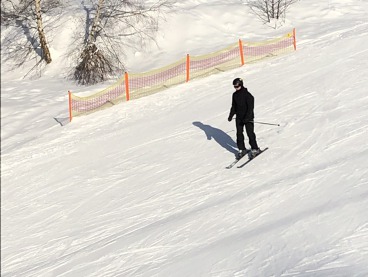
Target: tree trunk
[
  {"x": 96, "y": 22},
  {"x": 268, "y": 12},
  {"x": 41, "y": 33},
  {"x": 278, "y": 9}
]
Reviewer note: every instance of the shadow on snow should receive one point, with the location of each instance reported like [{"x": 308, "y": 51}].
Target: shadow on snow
[{"x": 222, "y": 138}]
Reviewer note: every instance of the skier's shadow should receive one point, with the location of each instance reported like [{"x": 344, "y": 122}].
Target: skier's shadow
[{"x": 219, "y": 136}]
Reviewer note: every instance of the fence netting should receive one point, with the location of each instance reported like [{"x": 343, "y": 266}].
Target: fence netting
[{"x": 136, "y": 85}]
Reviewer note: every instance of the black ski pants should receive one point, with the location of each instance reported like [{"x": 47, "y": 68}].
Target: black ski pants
[{"x": 249, "y": 128}]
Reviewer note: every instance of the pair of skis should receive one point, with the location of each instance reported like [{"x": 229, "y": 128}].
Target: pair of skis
[{"x": 248, "y": 161}]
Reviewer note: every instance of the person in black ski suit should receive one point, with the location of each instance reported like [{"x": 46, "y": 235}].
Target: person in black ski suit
[{"x": 243, "y": 107}]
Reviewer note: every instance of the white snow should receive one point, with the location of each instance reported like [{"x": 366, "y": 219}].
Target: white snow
[{"x": 141, "y": 189}]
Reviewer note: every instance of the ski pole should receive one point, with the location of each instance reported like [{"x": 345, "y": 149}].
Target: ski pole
[{"x": 265, "y": 123}]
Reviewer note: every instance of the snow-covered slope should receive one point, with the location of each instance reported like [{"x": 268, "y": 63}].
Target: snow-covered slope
[{"x": 141, "y": 189}]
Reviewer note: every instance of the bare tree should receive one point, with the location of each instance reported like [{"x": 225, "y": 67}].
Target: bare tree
[
  {"x": 31, "y": 43},
  {"x": 270, "y": 9},
  {"x": 93, "y": 66},
  {"x": 113, "y": 23}
]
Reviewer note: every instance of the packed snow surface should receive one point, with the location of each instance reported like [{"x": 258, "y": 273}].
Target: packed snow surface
[{"x": 141, "y": 189}]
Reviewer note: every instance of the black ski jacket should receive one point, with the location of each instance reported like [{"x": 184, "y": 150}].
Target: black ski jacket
[{"x": 242, "y": 105}]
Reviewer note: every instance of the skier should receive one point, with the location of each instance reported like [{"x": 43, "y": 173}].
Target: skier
[{"x": 243, "y": 107}]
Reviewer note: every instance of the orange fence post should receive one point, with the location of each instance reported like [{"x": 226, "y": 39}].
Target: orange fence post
[
  {"x": 294, "y": 36},
  {"x": 188, "y": 67},
  {"x": 241, "y": 52},
  {"x": 70, "y": 106},
  {"x": 126, "y": 86}
]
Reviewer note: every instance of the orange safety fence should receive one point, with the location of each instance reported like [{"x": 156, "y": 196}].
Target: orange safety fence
[{"x": 136, "y": 85}]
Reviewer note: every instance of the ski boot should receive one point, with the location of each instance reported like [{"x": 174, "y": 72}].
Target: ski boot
[
  {"x": 254, "y": 153},
  {"x": 241, "y": 154}
]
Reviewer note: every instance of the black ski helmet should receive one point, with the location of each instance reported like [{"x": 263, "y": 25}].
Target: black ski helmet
[{"x": 238, "y": 82}]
